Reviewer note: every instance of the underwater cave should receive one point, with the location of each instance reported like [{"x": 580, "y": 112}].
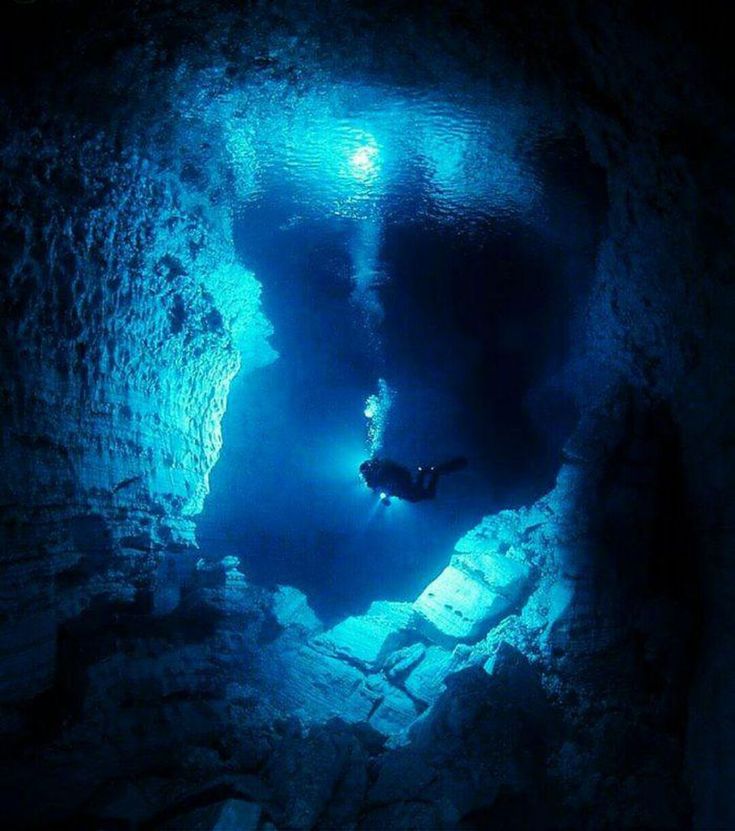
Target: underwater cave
[
  {"x": 467, "y": 321},
  {"x": 366, "y": 417}
]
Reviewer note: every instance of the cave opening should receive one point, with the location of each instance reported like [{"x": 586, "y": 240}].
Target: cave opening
[{"x": 456, "y": 276}]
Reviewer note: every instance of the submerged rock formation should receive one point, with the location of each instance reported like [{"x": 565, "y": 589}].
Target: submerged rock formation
[
  {"x": 126, "y": 316},
  {"x": 388, "y": 666},
  {"x": 570, "y": 665}
]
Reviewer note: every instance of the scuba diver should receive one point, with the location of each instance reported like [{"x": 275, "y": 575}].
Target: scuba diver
[{"x": 391, "y": 479}]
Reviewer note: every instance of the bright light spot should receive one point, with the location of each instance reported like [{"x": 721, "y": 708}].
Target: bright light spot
[
  {"x": 341, "y": 148},
  {"x": 369, "y": 412},
  {"x": 364, "y": 160},
  {"x": 383, "y": 495}
]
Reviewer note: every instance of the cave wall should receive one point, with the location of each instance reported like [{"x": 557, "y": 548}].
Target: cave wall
[
  {"x": 654, "y": 112},
  {"x": 126, "y": 315}
]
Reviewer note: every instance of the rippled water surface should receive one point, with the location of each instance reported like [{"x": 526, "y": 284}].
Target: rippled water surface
[{"x": 358, "y": 151}]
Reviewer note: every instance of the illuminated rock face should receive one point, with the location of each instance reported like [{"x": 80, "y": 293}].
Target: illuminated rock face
[
  {"x": 471, "y": 594},
  {"x": 128, "y": 316},
  {"x": 425, "y": 682},
  {"x": 561, "y": 653},
  {"x": 291, "y": 608},
  {"x": 368, "y": 639},
  {"x": 388, "y": 666}
]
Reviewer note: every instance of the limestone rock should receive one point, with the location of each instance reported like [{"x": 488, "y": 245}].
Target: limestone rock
[
  {"x": 503, "y": 530},
  {"x": 316, "y": 686},
  {"x": 368, "y": 639},
  {"x": 470, "y": 595},
  {"x": 402, "y": 661},
  {"x": 485, "y": 733},
  {"x": 322, "y": 774},
  {"x": 395, "y": 712},
  {"x": 137, "y": 315},
  {"x": 405, "y": 774},
  {"x": 426, "y": 680},
  {"x": 291, "y": 608}
]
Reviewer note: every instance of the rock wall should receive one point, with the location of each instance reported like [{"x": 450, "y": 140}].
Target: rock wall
[
  {"x": 542, "y": 678},
  {"x": 657, "y": 120},
  {"x": 126, "y": 317}
]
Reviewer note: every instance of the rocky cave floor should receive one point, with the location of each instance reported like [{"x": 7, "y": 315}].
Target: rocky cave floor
[{"x": 467, "y": 708}]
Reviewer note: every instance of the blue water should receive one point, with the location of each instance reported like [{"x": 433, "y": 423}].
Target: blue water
[{"x": 427, "y": 243}]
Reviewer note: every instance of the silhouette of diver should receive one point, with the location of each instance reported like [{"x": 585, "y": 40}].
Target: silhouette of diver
[{"x": 391, "y": 479}]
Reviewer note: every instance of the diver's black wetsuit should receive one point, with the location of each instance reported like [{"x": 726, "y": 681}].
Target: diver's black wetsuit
[{"x": 393, "y": 479}]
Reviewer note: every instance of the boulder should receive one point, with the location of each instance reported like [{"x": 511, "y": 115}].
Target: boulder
[
  {"x": 396, "y": 711},
  {"x": 318, "y": 776},
  {"x": 368, "y": 639},
  {"x": 397, "y": 666},
  {"x": 486, "y": 734},
  {"x": 316, "y": 686},
  {"x": 291, "y": 608},
  {"x": 426, "y": 680},
  {"x": 471, "y": 595},
  {"x": 504, "y": 530},
  {"x": 404, "y": 774}
]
